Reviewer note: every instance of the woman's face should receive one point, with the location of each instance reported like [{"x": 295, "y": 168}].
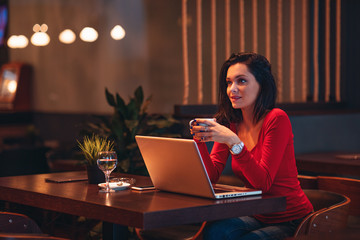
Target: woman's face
[{"x": 242, "y": 87}]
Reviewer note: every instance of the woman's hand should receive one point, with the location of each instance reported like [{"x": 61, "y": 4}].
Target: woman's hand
[{"x": 207, "y": 130}]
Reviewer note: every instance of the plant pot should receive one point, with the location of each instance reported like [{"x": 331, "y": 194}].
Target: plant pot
[{"x": 95, "y": 175}]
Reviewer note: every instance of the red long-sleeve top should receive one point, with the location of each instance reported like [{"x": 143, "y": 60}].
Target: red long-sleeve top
[{"x": 269, "y": 166}]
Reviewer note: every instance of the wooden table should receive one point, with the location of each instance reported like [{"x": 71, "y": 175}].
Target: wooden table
[
  {"x": 330, "y": 163},
  {"x": 146, "y": 210}
]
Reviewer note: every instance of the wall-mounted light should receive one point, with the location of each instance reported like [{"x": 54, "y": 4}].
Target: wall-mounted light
[
  {"x": 88, "y": 34},
  {"x": 9, "y": 84},
  {"x": 117, "y": 33},
  {"x": 67, "y": 36},
  {"x": 17, "y": 41},
  {"x": 40, "y": 37}
]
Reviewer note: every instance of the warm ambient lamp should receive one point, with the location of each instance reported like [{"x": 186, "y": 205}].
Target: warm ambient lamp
[
  {"x": 40, "y": 37},
  {"x": 15, "y": 87}
]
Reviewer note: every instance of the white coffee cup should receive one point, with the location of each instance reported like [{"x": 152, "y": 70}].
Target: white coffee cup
[{"x": 202, "y": 124}]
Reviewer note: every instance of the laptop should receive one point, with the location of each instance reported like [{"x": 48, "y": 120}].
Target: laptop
[{"x": 175, "y": 165}]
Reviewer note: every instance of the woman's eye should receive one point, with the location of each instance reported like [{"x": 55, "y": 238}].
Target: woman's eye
[
  {"x": 228, "y": 83},
  {"x": 242, "y": 80}
]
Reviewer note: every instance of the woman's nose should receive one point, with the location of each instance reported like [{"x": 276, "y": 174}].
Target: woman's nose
[{"x": 233, "y": 87}]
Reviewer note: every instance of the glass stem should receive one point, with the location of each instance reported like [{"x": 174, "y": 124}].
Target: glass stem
[{"x": 107, "y": 175}]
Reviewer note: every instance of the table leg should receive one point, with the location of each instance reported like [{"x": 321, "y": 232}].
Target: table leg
[{"x": 112, "y": 231}]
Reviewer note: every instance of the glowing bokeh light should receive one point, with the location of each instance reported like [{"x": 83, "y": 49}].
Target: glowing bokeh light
[
  {"x": 43, "y": 27},
  {"x": 88, "y": 34},
  {"x": 67, "y": 36},
  {"x": 12, "y": 85},
  {"x": 17, "y": 41},
  {"x": 117, "y": 33},
  {"x": 36, "y": 28},
  {"x": 40, "y": 39}
]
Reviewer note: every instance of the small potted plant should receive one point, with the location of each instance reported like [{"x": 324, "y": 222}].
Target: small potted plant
[{"x": 90, "y": 148}]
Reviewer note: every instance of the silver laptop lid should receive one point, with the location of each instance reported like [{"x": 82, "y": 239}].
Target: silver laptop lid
[{"x": 173, "y": 165}]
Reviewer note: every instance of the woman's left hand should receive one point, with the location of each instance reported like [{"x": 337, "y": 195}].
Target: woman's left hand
[{"x": 207, "y": 130}]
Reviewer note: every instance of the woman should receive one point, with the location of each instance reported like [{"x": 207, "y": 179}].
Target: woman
[{"x": 259, "y": 138}]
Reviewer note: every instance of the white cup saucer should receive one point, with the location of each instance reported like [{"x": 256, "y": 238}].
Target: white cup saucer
[{"x": 116, "y": 186}]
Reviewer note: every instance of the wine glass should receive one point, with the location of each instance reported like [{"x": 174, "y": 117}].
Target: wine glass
[{"x": 107, "y": 161}]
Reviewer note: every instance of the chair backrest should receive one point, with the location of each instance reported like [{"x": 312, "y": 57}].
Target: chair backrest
[
  {"x": 21, "y": 227},
  {"x": 346, "y": 186},
  {"x": 17, "y": 223},
  {"x": 308, "y": 182},
  {"x": 330, "y": 213}
]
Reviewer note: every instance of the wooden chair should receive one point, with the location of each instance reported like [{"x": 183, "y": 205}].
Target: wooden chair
[
  {"x": 330, "y": 213},
  {"x": 19, "y": 226},
  {"x": 347, "y": 186}
]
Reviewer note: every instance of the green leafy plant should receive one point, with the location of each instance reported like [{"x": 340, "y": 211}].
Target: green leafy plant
[
  {"x": 91, "y": 146},
  {"x": 128, "y": 120}
]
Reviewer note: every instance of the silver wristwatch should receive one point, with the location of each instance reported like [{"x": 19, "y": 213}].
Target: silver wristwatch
[{"x": 236, "y": 148}]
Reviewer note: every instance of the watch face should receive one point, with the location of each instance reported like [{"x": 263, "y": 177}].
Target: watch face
[{"x": 236, "y": 149}]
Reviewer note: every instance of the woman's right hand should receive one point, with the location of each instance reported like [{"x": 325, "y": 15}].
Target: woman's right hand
[{"x": 206, "y": 131}]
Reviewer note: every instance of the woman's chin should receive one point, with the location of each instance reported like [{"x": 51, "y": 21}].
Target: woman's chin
[{"x": 236, "y": 106}]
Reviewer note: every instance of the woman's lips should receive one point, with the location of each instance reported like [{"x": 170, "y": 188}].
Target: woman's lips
[{"x": 235, "y": 98}]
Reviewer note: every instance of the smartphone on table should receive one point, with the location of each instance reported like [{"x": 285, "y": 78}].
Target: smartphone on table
[{"x": 143, "y": 187}]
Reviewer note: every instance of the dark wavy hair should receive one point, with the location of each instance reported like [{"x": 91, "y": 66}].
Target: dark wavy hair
[{"x": 260, "y": 67}]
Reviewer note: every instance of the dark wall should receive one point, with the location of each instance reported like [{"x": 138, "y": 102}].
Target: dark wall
[
  {"x": 351, "y": 51},
  {"x": 338, "y": 132}
]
